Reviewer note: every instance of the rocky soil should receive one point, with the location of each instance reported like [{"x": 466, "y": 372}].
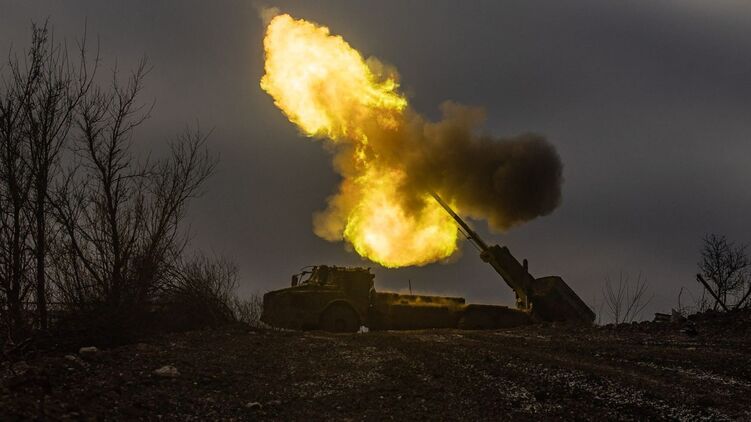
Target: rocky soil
[{"x": 698, "y": 370}]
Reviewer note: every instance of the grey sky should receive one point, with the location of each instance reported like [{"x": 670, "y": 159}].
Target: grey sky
[{"x": 648, "y": 103}]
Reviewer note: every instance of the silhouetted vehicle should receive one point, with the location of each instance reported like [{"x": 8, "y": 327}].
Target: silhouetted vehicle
[{"x": 343, "y": 299}]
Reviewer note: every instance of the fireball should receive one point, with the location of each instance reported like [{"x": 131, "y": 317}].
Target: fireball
[{"x": 326, "y": 88}]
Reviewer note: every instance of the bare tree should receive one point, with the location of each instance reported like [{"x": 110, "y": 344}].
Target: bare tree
[
  {"x": 49, "y": 115},
  {"x": 39, "y": 94},
  {"x": 121, "y": 218},
  {"x": 724, "y": 271},
  {"x": 19, "y": 80},
  {"x": 625, "y": 300},
  {"x": 14, "y": 192}
]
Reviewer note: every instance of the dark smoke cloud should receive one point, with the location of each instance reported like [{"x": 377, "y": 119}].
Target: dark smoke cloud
[{"x": 506, "y": 181}]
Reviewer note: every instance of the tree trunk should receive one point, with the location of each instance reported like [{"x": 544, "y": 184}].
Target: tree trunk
[
  {"x": 14, "y": 295},
  {"x": 41, "y": 251},
  {"x": 15, "y": 323}
]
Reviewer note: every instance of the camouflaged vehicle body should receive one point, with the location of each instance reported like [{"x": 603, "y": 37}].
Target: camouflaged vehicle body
[{"x": 344, "y": 299}]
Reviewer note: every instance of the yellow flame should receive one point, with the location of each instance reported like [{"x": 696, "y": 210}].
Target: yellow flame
[
  {"x": 381, "y": 230},
  {"x": 321, "y": 83},
  {"x": 328, "y": 90}
]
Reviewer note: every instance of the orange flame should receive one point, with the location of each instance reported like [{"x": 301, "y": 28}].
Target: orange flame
[{"x": 328, "y": 90}]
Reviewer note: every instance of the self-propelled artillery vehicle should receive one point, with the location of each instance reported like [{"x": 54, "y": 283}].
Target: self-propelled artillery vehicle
[{"x": 342, "y": 299}]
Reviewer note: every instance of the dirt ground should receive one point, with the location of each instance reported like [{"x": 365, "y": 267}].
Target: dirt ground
[{"x": 665, "y": 371}]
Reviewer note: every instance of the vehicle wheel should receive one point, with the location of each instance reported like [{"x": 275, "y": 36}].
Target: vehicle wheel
[{"x": 340, "y": 318}]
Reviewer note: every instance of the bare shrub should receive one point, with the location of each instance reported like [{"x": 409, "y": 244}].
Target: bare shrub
[
  {"x": 200, "y": 292},
  {"x": 625, "y": 300},
  {"x": 248, "y": 310},
  {"x": 597, "y": 306}
]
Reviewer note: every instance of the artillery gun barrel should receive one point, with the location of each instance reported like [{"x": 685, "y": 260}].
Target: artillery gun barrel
[
  {"x": 548, "y": 298},
  {"x": 470, "y": 233}
]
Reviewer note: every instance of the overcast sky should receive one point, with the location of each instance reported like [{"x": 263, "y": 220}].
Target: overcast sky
[{"x": 648, "y": 103}]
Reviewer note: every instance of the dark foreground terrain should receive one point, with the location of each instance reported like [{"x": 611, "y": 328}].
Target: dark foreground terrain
[{"x": 635, "y": 372}]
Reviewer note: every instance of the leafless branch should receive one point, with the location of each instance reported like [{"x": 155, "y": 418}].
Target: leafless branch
[{"x": 625, "y": 300}]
